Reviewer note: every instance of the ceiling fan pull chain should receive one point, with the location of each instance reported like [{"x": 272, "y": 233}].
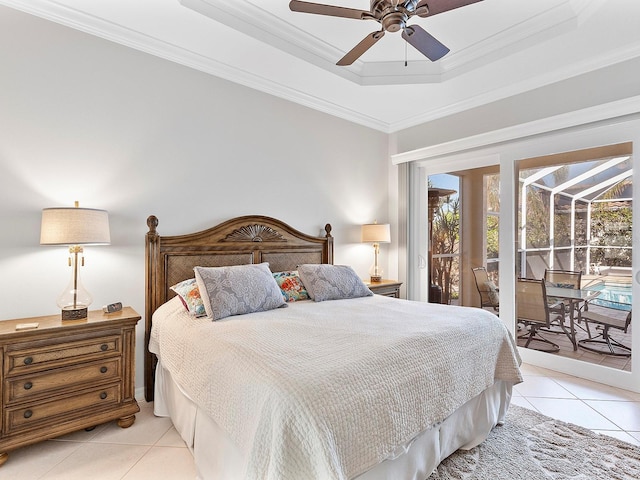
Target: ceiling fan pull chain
[{"x": 405, "y": 54}]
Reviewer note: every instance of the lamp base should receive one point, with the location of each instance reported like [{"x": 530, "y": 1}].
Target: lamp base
[
  {"x": 376, "y": 278},
  {"x": 70, "y": 313}
]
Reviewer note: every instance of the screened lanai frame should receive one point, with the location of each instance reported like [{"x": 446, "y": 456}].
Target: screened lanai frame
[{"x": 573, "y": 189}]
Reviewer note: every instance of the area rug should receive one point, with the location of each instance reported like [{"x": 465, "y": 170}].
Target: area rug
[{"x": 531, "y": 446}]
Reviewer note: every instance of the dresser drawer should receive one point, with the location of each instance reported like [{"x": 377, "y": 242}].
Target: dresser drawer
[
  {"x": 37, "y": 384},
  {"x": 27, "y": 358},
  {"x": 39, "y": 414}
]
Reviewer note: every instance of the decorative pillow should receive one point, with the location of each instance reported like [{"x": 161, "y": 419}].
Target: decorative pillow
[
  {"x": 332, "y": 282},
  {"x": 492, "y": 291},
  {"x": 189, "y": 293},
  {"x": 291, "y": 286},
  {"x": 238, "y": 289}
]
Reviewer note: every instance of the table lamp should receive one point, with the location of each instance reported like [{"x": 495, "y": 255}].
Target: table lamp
[
  {"x": 376, "y": 233},
  {"x": 75, "y": 227}
]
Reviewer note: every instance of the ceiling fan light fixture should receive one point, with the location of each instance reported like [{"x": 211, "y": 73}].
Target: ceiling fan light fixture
[{"x": 394, "y": 22}]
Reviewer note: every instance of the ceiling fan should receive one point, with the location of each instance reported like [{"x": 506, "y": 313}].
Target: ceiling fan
[{"x": 392, "y": 15}]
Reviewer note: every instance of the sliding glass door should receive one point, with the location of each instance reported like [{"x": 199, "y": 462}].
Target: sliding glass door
[{"x": 574, "y": 221}]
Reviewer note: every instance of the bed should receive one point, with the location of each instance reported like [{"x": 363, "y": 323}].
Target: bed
[{"x": 354, "y": 388}]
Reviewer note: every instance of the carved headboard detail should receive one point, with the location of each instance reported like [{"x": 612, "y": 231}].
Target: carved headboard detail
[
  {"x": 239, "y": 241},
  {"x": 255, "y": 233}
]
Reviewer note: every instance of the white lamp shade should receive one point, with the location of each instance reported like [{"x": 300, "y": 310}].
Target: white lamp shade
[
  {"x": 376, "y": 233},
  {"x": 74, "y": 226}
]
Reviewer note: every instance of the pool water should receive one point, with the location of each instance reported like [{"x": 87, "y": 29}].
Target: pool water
[{"x": 613, "y": 295}]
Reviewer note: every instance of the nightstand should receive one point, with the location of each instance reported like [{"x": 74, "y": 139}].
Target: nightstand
[
  {"x": 389, "y": 288},
  {"x": 65, "y": 376}
]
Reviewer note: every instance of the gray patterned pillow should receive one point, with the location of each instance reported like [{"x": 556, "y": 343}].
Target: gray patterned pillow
[
  {"x": 332, "y": 282},
  {"x": 238, "y": 289}
]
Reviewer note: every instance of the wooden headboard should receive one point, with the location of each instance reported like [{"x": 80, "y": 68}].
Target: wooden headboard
[{"x": 239, "y": 241}]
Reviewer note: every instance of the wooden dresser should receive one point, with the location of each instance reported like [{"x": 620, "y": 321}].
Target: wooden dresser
[{"x": 65, "y": 376}]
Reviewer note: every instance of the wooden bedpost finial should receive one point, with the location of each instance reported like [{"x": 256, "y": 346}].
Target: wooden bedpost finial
[
  {"x": 327, "y": 228},
  {"x": 152, "y": 223}
]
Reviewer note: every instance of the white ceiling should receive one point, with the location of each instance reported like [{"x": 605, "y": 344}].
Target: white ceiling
[{"x": 498, "y": 48}]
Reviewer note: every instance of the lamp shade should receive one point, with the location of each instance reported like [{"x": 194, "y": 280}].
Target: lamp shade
[
  {"x": 74, "y": 226},
  {"x": 376, "y": 233}
]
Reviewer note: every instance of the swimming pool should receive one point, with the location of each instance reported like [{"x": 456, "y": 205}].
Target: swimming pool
[{"x": 612, "y": 295}]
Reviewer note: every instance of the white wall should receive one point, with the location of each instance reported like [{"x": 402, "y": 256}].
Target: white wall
[{"x": 85, "y": 119}]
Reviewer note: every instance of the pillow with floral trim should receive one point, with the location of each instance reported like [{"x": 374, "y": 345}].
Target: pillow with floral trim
[
  {"x": 291, "y": 286},
  {"x": 189, "y": 294},
  {"x": 238, "y": 289},
  {"x": 332, "y": 282}
]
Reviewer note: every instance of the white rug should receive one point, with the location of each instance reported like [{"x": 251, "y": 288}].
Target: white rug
[{"x": 531, "y": 446}]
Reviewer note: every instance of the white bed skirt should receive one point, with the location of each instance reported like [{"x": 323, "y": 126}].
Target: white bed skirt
[{"x": 218, "y": 458}]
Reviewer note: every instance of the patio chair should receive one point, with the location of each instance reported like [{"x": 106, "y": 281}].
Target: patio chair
[
  {"x": 532, "y": 310},
  {"x": 605, "y": 322},
  {"x": 489, "y": 296},
  {"x": 561, "y": 279}
]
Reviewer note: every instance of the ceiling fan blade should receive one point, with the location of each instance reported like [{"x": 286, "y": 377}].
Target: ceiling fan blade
[
  {"x": 434, "y": 7},
  {"x": 425, "y": 43},
  {"x": 359, "y": 49},
  {"x": 321, "y": 9}
]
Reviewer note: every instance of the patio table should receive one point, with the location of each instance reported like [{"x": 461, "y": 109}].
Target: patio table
[{"x": 575, "y": 297}]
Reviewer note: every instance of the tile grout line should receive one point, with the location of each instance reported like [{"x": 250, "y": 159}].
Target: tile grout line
[
  {"x": 137, "y": 461},
  {"x": 78, "y": 447}
]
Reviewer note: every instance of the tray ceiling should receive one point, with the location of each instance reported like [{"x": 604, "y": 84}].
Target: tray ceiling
[{"x": 498, "y": 48}]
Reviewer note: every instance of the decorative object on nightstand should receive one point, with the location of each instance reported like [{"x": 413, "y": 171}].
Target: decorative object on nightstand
[
  {"x": 376, "y": 233},
  {"x": 74, "y": 226},
  {"x": 59, "y": 377},
  {"x": 388, "y": 288}
]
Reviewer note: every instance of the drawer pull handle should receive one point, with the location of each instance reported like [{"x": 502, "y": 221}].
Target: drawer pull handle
[
  {"x": 103, "y": 369},
  {"x": 103, "y": 395},
  {"x": 28, "y": 385},
  {"x": 104, "y": 347},
  {"x": 28, "y": 360},
  {"x": 27, "y": 413}
]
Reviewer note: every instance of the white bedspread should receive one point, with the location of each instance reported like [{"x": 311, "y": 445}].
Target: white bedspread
[{"x": 299, "y": 388}]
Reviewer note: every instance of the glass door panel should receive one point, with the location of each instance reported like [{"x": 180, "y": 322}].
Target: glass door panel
[
  {"x": 465, "y": 216},
  {"x": 444, "y": 238},
  {"x": 575, "y": 216}
]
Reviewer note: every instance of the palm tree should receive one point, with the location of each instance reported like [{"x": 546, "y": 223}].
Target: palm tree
[{"x": 446, "y": 237}]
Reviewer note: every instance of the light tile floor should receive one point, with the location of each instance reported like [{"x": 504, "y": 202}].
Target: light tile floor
[
  {"x": 603, "y": 409},
  {"x": 152, "y": 449},
  {"x": 149, "y": 449}
]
